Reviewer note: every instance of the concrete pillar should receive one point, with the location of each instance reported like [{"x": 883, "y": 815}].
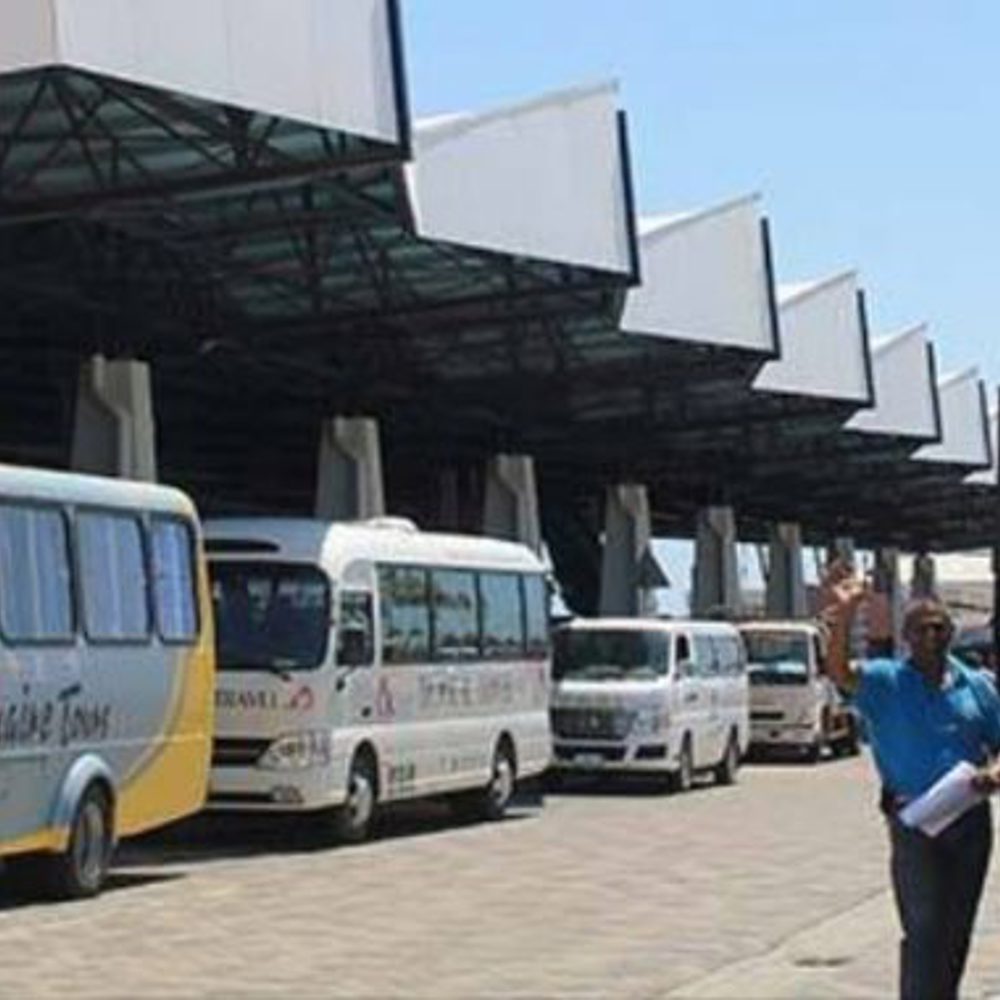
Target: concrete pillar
[
  {"x": 885, "y": 609},
  {"x": 114, "y": 433},
  {"x": 629, "y": 572},
  {"x": 349, "y": 484},
  {"x": 716, "y": 588},
  {"x": 923, "y": 582},
  {"x": 786, "y": 586},
  {"x": 841, "y": 547},
  {"x": 510, "y": 501}
]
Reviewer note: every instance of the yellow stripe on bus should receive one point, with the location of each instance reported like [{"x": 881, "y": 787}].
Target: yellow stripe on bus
[{"x": 49, "y": 839}]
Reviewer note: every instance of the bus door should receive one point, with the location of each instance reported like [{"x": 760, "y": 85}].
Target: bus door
[{"x": 357, "y": 698}]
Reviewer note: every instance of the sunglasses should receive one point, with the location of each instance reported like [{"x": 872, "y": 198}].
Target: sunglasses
[{"x": 939, "y": 627}]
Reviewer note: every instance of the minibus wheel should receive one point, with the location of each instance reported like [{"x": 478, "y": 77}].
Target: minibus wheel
[
  {"x": 491, "y": 801},
  {"x": 83, "y": 869},
  {"x": 725, "y": 771},
  {"x": 683, "y": 778},
  {"x": 353, "y": 820}
]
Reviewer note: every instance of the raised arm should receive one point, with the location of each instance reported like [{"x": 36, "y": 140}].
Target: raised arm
[{"x": 841, "y": 594}]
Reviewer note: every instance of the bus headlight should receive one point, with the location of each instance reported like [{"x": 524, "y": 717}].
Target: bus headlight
[
  {"x": 295, "y": 751},
  {"x": 648, "y": 721}
]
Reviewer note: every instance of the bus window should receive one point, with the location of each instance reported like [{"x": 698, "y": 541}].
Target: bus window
[
  {"x": 36, "y": 597},
  {"x": 500, "y": 600},
  {"x": 456, "y": 615},
  {"x": 536, "y": 616},
  {"x": 270, "y": 616},
  {"x": 113, "y": 577},
  {"x": 355, "y": 642},
  {"x": 173, "y": 580},
  {"x": 406, "y": 614}
]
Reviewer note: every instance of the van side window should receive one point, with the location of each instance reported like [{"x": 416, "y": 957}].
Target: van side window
[
  {"x": 728, "y": 655},
  {"x": 456, "y": 614},
  {"x": 113, "y": 577},
  {"x": 500, "y": 601},
  {"x": 536, "y": 616},
  {"x": 406, "y": 614},
  {"x": 355, "y": 639},
  {"x": 36, "y": 596},
  {"x": 172, "y": 545},
  {"x": 704, "y": 655}
]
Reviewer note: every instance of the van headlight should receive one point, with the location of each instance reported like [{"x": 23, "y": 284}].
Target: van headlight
[
  {"x": 647, "y": 722},
  {"x": 295, "y": 751}
]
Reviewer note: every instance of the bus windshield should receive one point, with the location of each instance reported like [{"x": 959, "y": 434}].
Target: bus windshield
[
  {"x": 270, "y": 616},
  {"x": 610, "y": 654},
  {"x": 777, "y": 657}
]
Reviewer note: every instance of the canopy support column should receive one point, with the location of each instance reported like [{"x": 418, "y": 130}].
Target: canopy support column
[
  {"x": 885, "y": 608},
  {"x": 716, "y": 573},
  {"x": 786, "y": 586},
  {"x": 349, "y": 481},
  {"x": 114, "y": 431},
  {"x": 629, "y": 572},
  {"x": 510, "y": 502}
]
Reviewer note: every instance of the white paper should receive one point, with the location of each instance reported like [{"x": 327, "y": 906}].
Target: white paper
[{"x": 942, "y": 803}]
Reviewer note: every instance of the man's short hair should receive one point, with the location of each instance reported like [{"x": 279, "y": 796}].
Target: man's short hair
[{"x": 922, "y": 606}]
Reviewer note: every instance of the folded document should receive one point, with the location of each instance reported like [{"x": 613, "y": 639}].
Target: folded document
[{"x": 947, "y": 799}]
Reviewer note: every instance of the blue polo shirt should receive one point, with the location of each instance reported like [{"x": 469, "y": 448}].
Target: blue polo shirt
[{"x": 919, "y": 732}]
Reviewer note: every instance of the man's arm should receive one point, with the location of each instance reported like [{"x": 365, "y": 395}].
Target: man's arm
[{"x": 842, "y": 594}]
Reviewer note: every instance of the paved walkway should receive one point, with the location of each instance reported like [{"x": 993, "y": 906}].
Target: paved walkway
[{"x": 774, "y": 888}]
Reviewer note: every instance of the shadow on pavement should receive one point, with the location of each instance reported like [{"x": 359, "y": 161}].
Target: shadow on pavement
[{"x": 14, "y": 897}]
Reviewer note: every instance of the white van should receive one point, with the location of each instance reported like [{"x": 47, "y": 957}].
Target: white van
[
  {"x": 793, "y": 704},
  {"x": 370, "y": 662},
  {"x": 649, "y": 695}
]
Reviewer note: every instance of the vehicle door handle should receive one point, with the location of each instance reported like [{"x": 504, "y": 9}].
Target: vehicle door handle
[
  {"x": 688, "y": 698},
  {"x": 366, "y": 711},
  {"x": 70, "y": 692}
]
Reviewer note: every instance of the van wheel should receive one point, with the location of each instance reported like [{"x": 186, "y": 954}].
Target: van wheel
[
  {"x": 849, "y": 745},
  {"x": 725, "y": 770},
  {"x": 683, "y": 778},
  {"x": 83, "y": 869},
  {"x": 353, "y": 820},
  {"x": 491, "y": 802},
  {"x": 814, "y": 750}
]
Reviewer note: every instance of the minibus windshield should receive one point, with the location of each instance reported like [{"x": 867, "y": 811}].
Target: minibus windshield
[
  {"x": 610, "y": 654},
  {"x": 777, "y": 657},
  {"x": 270, "y": 616}
]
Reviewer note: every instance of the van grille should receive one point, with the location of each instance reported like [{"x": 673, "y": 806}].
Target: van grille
[
  {"x": 592, "y": 723},
  {"x": 228, "y": 752}
]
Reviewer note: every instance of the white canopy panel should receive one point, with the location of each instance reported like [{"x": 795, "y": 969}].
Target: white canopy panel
[
  {"x": 905, "y": 394},
  {"x": 823, "y": 342},
  {"x": 329, "y": 64},
  {"x": 964, "y": 423},
  {"x": 545, "y": 179},
  {"x": 705, "y": 278},
  {"x": 990, "y": 476}
]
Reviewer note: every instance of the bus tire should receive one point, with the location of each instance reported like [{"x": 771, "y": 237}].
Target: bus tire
[
  {"x": 491, "y": 801},
  {"x": 352, "y": 821},
  {"x": 682, "y": 779},
  {"x": 725, "y": 770},
  {"x": 82, "y": 870}
]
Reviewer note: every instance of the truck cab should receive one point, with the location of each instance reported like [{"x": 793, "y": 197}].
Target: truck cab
[{"x": 793, "y": 703}]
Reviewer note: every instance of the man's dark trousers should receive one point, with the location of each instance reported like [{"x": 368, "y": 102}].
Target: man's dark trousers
[{"x": 937, "y": 883}]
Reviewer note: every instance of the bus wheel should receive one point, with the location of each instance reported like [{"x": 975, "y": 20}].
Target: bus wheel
[
  {"x": 353, "y": 820},
  {"x": 491, "y": 801},
  {"x": 725, "y": 770},
  {"x": 83, "y": 869},
  {"x": 683, "y": 778}
]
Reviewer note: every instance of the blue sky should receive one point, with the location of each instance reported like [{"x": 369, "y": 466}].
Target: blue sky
[{"x": 869, "y": 127}]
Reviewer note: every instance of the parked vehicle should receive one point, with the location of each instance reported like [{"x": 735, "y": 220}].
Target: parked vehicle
[
  {"x": 371, "y": 662},
  {"x": 106, "y": 671},
  {"x": 667, "y": 698},
  {"x": 793, "y": 704}
]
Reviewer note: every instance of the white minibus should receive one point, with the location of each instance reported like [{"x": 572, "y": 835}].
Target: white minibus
[
  {"x": 361, "y": 663},
  {"x": 793, "y": 704},
  {"x": 106, "y": 671},
  {"x": 650, "y": 695}
]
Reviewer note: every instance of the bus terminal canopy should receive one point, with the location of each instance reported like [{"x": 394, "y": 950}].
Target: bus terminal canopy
[{"x": 233, "y": 191}]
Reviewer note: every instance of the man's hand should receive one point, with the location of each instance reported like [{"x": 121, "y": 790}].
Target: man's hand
[
  {"x": 841, "y": 592},
  {"x": 987, "y": 779}
]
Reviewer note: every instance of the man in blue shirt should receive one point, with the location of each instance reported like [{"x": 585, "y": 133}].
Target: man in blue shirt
[{"x": 926, "y": 713}]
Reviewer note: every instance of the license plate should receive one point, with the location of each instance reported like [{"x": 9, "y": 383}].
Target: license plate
[{"x": 588, "y": 759}]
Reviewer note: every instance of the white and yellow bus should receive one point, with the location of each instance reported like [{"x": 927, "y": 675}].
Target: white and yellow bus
[
  {"x": 370, "y": 662},
  {"x": 106, "y": 671}
]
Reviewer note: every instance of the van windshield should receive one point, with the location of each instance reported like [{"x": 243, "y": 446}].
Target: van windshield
[
  {"x": 269, "y": 616},
  {"x": 777, "y": 657},
  {"x": 610, "y": 654}
]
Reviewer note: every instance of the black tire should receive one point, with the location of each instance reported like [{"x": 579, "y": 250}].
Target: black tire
[
  {"x": 82, "y": 870},
  {"x": 491, "y": 801},
  {"x": 850, "y": 745},
  {"x": 352, "y": 821},
  {"x": 682, "y": 779},
  {"x": 813, "y": 751},
  {"x": 725, "y": 770}
]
